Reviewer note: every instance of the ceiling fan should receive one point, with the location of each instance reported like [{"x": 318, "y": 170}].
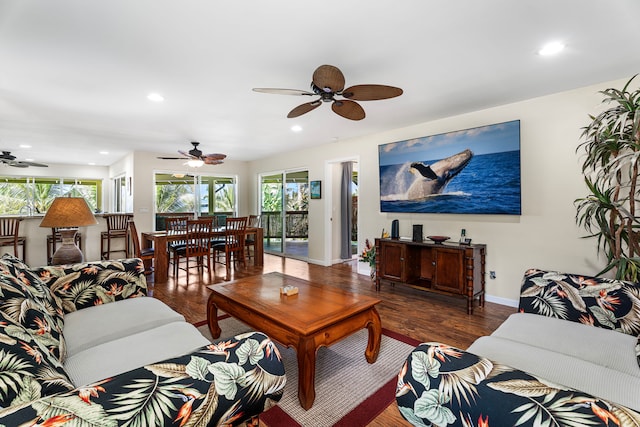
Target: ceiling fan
[
  {"x": 195, "y": 158},
  {"x": 8, "y": 159},
  {"x": 327, "y": 83}
]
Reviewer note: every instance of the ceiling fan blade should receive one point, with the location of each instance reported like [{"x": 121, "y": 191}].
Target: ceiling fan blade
[
  {"x": 328, "y": 77},
  {"x": 348, "y": 109},
  {"x": 186, "y": 155},
  {"x": 214, "y": 156},
  {"x": 303, "y": 108},
  {"x": 282, "y": 91},
  {"x": 210, "y": 161},
  {"x": 37, "y": 165},
  {"x": 172, "y": 158},
  {"x": 371, "y": 92},
  {"x": 18, "y": 164}
]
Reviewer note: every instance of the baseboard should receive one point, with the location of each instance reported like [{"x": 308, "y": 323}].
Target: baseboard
[{"x": 502, "y": 301}]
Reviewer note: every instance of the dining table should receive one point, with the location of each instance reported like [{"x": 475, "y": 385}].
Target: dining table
[{"x": 159, "y": 240}]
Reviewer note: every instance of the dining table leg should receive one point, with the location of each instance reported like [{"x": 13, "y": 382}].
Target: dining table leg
[{"x": 160, "y": 260}]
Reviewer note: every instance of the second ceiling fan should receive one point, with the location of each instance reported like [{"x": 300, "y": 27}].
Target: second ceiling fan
[
  {"x": 327, "y": 83},
  {"x": 196, "y": 155}
]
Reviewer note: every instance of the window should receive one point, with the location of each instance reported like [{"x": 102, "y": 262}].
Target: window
[
  {"x": 187, "y": 193},
  {"x": 119, "y": 194},
  {"x": 32, "y": 196}
]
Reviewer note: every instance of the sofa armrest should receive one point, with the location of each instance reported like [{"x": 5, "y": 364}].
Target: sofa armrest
[
  {"x": 442, "y": 385},
  {"x": 82, "y": 285},
  {"x": 226, "y": 383},
  {"x": 601, "y": 302}
]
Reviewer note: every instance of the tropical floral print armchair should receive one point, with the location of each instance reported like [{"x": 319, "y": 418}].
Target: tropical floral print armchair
[
  {"x": 224, "y": 383},
  {"x": 441, "y": 385}
]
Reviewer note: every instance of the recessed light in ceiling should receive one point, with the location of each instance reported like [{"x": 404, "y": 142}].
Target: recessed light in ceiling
[
  {"x": 155, "y": 97},
  {"x": 296, "y": 128},
  {"x": 551, "y": 48},
  {"x": 91, "y": 164},
  {"x": 104, "y": 152},
  {"x": 25, "y": 146},
  {"x": 28, "y": 160}
]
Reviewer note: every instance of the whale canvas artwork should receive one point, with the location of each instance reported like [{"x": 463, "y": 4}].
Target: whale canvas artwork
[{"x": 471, "y": 171}]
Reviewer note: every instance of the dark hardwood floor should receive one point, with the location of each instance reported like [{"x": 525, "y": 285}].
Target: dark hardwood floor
[{"x": 419, "y": 315}]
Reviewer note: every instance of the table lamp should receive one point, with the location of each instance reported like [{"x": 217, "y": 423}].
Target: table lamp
[{"x": 67, "y": 214}]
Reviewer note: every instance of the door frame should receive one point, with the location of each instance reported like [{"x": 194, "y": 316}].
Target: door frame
[{"x": 333, "y": 189}]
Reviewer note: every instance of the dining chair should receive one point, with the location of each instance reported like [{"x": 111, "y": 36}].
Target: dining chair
[
  {"x": 250, "y": 239},
  {"x": 9, "y": 235},
  {"x": 117, "y": 226},
  {"x": 197, "y": 245},
  {"x": 176, "y": 224},
  {"x": 233, "y": 246},
  {"x": 145, "y": 254}
]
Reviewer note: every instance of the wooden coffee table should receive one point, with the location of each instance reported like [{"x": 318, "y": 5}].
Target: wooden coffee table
[{"x": 319, "y": 315}]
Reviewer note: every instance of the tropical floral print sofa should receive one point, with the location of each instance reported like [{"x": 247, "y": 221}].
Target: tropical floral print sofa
[
  {"x": 569, "y": 357},
  {"x": 224, "y": 383}
]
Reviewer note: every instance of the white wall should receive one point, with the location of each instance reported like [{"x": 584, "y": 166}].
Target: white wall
[{"x": 544, "y": 236}]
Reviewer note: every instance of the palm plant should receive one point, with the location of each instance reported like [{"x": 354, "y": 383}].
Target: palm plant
[{"x": 611, "y": 167}]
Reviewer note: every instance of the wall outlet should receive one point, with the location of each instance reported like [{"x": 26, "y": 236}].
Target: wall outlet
[{"x": 492, "y": 275}]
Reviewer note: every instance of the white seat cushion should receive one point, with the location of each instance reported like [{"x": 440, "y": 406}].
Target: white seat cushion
[
  {"x": 591, "y": 378},
  {"x": 92, "y": 326},
  {"x": 600, "y": 346},
  {"x": 134, "y": 351}
]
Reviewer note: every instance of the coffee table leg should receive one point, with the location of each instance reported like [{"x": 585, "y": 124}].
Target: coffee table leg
[
  {"x": 375, "y": 336},
  {"x": 306, "y": 373},
  {"x": 212, "y": 318}
]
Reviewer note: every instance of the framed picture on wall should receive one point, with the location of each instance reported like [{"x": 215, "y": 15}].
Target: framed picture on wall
[{"x": 316, "y": 189}]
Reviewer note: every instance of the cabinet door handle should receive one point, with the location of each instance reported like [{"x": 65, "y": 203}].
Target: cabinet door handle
[
  {"x": 433, "y": 263},
  {"x": 401, "y": 259}
]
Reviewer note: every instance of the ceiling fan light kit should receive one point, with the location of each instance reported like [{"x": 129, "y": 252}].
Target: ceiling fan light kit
[{"x": 327, "y": 83}]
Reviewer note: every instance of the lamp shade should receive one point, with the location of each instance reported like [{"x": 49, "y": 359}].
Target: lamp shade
[{"x": 67, "y": 212}]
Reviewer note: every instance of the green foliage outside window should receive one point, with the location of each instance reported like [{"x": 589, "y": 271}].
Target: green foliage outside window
[{"x": 32, "y": 196}]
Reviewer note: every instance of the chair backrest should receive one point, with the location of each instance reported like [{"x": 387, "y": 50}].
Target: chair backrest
[
  {"x": 198, "y": 238},
  {"x": 9, "y": 227},
  {"x": 133, "y": 232},
  {"x": 254, "y": 221},
  {"x": 117, "y": 222},
  {"x": 176, "y": 224},
  {"x": 234, "y": 232}
]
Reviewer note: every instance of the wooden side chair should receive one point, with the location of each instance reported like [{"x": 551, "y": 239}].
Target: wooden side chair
[
  {"x": 197, "y": 245},
  {"x": 145, "y": 254},
  {"x": 233, "y": 245},
  {"x": 54, "y": 238},
  {"x": 9, "y": 236},
  {"x": 117, "y": 225},
  {"x": 176, "y": 225},
  {"x": 250, "y": 239}
]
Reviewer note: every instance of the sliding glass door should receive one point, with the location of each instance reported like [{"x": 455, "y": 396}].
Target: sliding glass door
[{"x": 284, "y": 202}]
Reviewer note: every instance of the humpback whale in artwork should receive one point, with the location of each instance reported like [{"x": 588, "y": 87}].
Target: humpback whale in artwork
[{"x": 434, "y": 178}]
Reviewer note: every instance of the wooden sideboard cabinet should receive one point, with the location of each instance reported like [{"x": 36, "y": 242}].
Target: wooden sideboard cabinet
[{"x": 447, "y": 268}]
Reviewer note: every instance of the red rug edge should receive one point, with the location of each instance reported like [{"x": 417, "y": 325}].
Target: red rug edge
[{"x": 365, "y": 412}]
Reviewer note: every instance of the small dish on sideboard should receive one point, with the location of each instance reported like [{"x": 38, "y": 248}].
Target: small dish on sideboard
[{"x": 438, "y": 239}]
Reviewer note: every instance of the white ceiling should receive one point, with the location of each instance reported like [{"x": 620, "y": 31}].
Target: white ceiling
[{"x": 74, "y": 74}]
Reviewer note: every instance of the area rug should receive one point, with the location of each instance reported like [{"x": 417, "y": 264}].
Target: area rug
[{"x": 349, "y": 391}]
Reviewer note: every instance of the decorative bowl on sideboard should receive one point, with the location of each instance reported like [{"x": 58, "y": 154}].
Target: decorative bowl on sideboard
[{"x": 438, "y": 239}]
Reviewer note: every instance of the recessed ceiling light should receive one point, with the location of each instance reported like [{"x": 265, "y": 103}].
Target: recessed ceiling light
[
  {"x": 25, "y": 146},
  {"x": 28, "y": 160},
  {"x": 551, "y": 48},
  {"x": 296, "y": 128},
  {"x": 155, "y": 97},
  {"x": 104, "y": 152},
  {"x": 91, "y": 164}
]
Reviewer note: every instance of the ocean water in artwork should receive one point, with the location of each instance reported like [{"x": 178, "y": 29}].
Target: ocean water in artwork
[{"x": 489, "y": 184}]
